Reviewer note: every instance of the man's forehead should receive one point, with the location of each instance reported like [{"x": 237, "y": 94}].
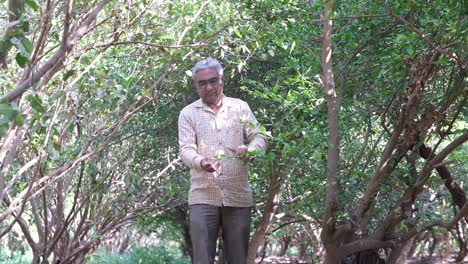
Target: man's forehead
[{"x": 207, "y": 74}]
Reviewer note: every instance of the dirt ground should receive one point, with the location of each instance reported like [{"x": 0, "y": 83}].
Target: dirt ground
[
  {"x": 292, "y": 260},
  {"x": 435, "y": 260}
]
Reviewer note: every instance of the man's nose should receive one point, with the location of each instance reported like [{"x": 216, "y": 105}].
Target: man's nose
[{"x": 209, "y": 87}]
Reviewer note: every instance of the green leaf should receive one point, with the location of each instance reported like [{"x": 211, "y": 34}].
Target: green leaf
[
  {"x": 3, "y": 128},
  {"x": 27, "y": 45},
  {"x": 293, "y": 45},
  {"x": 69, "y": 74},
  {"x": 4, "y": 121},
  {"x": 441, "y": 60},
  {"x": 238, "y": 33},
  {"x": 19, "y": 120},
  {"x": 36, "y": 103},
  {"x": 23, "y": 49},
  {"x": 8, "y": 112},
  {"x": 21, "y": 60},
  {"x": 32, "y": 4},
  {"x": 25, "y": 25}
]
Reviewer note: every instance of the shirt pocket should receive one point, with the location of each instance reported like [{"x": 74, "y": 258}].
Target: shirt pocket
[{"x": 235, "y": 132}]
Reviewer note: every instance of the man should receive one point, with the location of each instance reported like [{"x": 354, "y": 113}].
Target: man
[{"x": 215, "y": 132}]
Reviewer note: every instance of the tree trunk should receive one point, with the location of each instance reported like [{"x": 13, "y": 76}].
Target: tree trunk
[
  {"x": 446, "y": 246},
  {"x": 303, "y": 249},
  {"x": 187, "y": 247},
  {"x": 331, "y": 205},
  {"x": 268, "y": 215},
  {"x": 303, "y": 239},
  {"x": 462, "y": 245},
  {"x": 331, "y": 254},
  {"x": 285, "y": 242},
  {"x": 317, "y": 247},
  {"x": 435, "y": 241},
  {"x": 400, "y": 254}
]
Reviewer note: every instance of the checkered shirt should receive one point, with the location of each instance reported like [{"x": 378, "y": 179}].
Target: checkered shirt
[{"x": 206, "y": 134}]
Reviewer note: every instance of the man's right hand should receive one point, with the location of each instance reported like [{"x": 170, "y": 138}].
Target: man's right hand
[{"x": 209, "y": 165}]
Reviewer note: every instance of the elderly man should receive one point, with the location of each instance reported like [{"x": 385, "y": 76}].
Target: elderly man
[{"x": 215, "y": 133}]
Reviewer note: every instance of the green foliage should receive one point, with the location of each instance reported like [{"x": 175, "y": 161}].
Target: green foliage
[
  {"x": 9, "y": 113},
  {"x": 16, "y": 257},
  {"x": 33, "y": 4},
  {"x": 157, "y": 255}
]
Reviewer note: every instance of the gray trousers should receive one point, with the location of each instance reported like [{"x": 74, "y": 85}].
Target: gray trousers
[{"x": 205, "y": 221}]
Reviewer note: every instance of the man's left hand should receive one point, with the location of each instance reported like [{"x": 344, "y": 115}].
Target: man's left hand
[{"x": 241, "y": 150}]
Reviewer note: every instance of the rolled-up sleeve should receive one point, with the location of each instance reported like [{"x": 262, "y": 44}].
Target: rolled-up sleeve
[
  {"x": 255, "y": 140},
  {"x": 188, "y": 142}
]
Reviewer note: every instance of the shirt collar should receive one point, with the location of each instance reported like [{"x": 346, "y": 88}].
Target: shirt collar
[{"x": 227, "y": 102}]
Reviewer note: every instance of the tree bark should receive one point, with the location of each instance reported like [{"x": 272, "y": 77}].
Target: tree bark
[
  {"x": 267, "y": 218},
  {"x": 331, "y": 202},
  {"x": 285, "y": 241},
  {"x": 9, "y": 149},
  {"x": 400, "y": 254},
  {"x": 457, "y": 193},
  {"x": 462, "y": 245}
]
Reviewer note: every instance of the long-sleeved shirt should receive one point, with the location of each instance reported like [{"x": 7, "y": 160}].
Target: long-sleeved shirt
[{"x": 206, "y": 134}]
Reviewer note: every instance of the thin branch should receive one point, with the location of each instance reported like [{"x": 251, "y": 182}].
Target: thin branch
[
  {"x": 66, "y": 25},
  {"x": 358, "y": 158},
  {"x": 46, "y": 222},
  {"x": 448, "y": 149},
  {"x": 299, "y": 198},
  {"x": 44, "y": 29},
  {"x": 153, "y": 45},
  {"x": 350, "y": 17},
  {"x": 116, "y": 34},
  {"x": 449, "y": 128},
  {"x": 286, "y": 224},
  {"x": 20, "y": 172},
  {"x": 361, "y": 245},
  {"x": 17, "y": 215}
]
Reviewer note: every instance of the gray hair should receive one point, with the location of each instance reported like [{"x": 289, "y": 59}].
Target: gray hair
[{"x": 208, "y": 63}]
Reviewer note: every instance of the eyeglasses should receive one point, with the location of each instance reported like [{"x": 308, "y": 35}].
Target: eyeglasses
[{"x": 214, "y": 82}]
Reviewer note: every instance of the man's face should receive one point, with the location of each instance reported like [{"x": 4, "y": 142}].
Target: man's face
[{"x": 209, "y": 85}]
